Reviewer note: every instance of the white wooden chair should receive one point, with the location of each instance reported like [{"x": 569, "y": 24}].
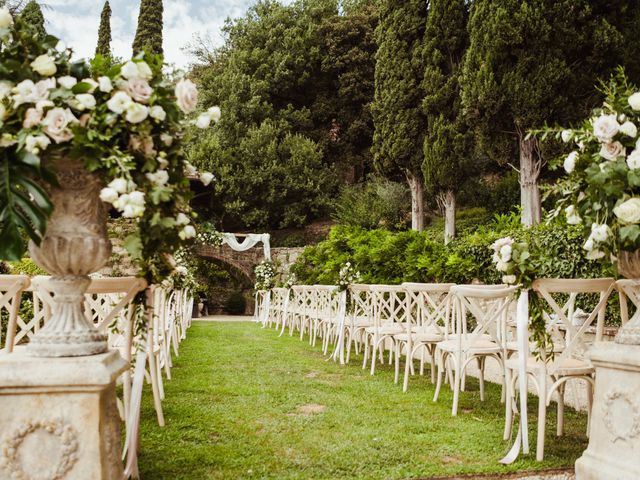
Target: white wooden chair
[
  {"x": 276, "y": 310},
  {"x": 359, "y": 318},
  {"x": 484, "y": 308},
  {"x": 427, "y": 321},
  {"x": 11, "y": 289},
  {"x": 549, "y": 376},
  {"x": 325, "y": 315}
]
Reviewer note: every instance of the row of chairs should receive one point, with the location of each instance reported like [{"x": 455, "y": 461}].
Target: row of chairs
[
  {"x": 454, "y": 327},
  {"x": 109, "y": 303}
]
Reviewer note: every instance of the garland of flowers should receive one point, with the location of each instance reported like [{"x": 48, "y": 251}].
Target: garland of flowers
[
  {"x": 290, "y": 280},
  {"x": 209, "y": 235},
  {"x": 348, "y": 275},
  {"x": 265, "y": 273},
  {"x": 124, "y": 121}
]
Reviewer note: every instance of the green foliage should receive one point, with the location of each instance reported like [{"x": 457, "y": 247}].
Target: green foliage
[
  {"x": 236, "y": 304},
  {"x": 32, "y": 15},
  {"x": 373, "y": 204},
  {"x": 104, "y": 32},
  {"x": 26, "y": 266},
  {"x": 149, "y": 32}
]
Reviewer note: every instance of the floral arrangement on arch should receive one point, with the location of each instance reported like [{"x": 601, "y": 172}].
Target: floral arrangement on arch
[
  {"x": 348, "y": 275},
  {"x": 601, "y": 189},
  {"x": 124, "y": 121},
  {"x": 265, "y": 273},
  {"x": 290, "y": 280}
]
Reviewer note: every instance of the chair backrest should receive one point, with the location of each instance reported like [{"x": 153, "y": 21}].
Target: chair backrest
[
  {"x": 326, "y": 301},
  {"x": 629, "y": 290},
  {"x": 361, "y": 302},
  {"x": 557, "y": 293},
  {"x": 389, "y": 304},
  {"x": 429, "y": 305},
  {"x": 11, "y": 288}
]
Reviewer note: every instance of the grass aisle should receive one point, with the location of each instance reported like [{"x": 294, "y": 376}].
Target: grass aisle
[{"x": 244, "y": 403}]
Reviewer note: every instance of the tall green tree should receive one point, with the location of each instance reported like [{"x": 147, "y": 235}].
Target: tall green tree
[
  {"x": 532, "y": 62},
  {"x": 104, "y": 32},
  {"x": 398, "y": 119},
  {"x": 446, "y": 142},
  {"x": 149, "y": 32},
  {"x": 32, "y": 13}
]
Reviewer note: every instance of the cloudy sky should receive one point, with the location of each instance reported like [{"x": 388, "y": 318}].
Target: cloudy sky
[{"x": 76, "y": 23}]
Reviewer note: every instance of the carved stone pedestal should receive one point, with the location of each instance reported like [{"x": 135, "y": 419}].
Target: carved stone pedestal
[
  {"x": 614, "y": 440},
  {"x": 58, "y": 417}
]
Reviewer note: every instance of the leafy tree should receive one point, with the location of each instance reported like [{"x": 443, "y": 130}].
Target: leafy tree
[
  {"x": 446, "y": 143},
  {"x": 149, "y": 32},
  {"x": 104, "y": 33},
  {"x": 399, "y": 122},
  {"x": 532, "y": 62},
  {"x": 32, "y": 14}
]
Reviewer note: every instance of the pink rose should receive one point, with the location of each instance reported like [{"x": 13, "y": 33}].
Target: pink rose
[
  {"x": 186, "y": 96},
  {"x": 32, "y": 118},
  {"x": 56, "y": 124},
  {"x": 138, "y": 89}
]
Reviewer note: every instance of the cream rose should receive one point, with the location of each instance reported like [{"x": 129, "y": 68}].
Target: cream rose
[
  {"x": 633, "y": 160},
  {"x": 67, "y": 82},
  {"x": 634, "y": 101},
  {"x": 570, "y": 162},
  {"x": 157, "y": 112},
  {"x": 203, "y": 120},
  {"x": 6, "y": 19},
  {"x": 137, "y": 113},
  {"x": 605, "y": 127},
  {"x": 573, "y": 218},
  {"x": 44, "y": 65},
  {"x": 108, "y": 195},
  {"x": 120, "y": 185},
  {"x": 32, "y": 117},
  {"x": 186, "y": 96},
  {"x": 119, "y": 102},
  {"x": 104, "y": 84},
  {"x": 600, "y": 232},
  {"x": 139, "y": 89},
  {"x": 87, "y": 100},
  {"x": 56, "y": 124},
  {"x": 35, "y": 144},
  {"x": 161, "y": 177},
  {"x": 629, "y": 129},
  {"x": 611, "y": 151},
  {"x": 629, "y": 211}
]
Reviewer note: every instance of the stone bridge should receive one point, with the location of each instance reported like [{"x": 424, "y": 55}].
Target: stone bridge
[{"x": 244, "y": 262}]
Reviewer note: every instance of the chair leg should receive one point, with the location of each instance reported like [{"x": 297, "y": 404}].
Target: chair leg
[
  {"x": 542, "y": 415},
  {"x": 456, "y": 390},
  {"x": 422, "y": 360},
  {"x": 480, "y": 361},
  {"x": 560, "y": 422},
  {"x": 366, "y": 352},
  {"x": 440, "y": 376},
  {"x": 397, "y": 373},
  {"x": 349, "y": 340},
  {"x": 375, "y": 348},
  {"x": 407, "y": 369}
]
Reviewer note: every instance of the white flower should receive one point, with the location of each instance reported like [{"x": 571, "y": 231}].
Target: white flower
[
  {"x": 190, "y": 170},
  {"x": 595, "y": 254},
  {"x": 187, "y": 232},
  {"x": 589, "y": 244},
  {"x": 35, "y": 144},
  {"x": 119, "y": 185},
  {"x": 67, "y": 82},
  {"x": 104, "y": 84},
  {"x": 108, "y": 195},
  {"x": 206, "y": 178},
  {"x": 144, "y": 71},
  {"x": 182, "y": 219},
  {"x": 600, "y": 232},
  {"x": 131, "y": 205},
  {"x": 32, "y": 117},
  {"x": 137, "y": 198},
  {"x": 498, "y": 244},
  {"x": 133, "y": 69},
  {"x": 203, "y": 120},
  {"x": 29, "y": 92},
  {"x": 166, "y": 139},
  {"x": 633, "y": 160},
  {"x": 132, "y": 211},
  {"x": 629, "y": 129},
  {"x": 215, "y": 113},
  {"x": 570, "y": 162},
  {"x": 87, "y": 100},
  {"x": 138, "y": 89},
  {"x": 157, "y": 112},
  {"x": 566, "y": 136},
  {"x": 92, "y": 82},
  {"x": 119, "y": 102},
  {"x": 42, "y": 104},
  {"x": 56, "y": 124},
  {"x": 6, "y": 20},
  {"x": 161, "y": 177},
  {"x": 7, "y": 140},
  {"x": 181, "y": 270},
  {"x": 605, "y": 127},
  {"x": 611, "y": 151},
  {"x": 629, "y": 211},
  {"x": 162, "y": 162},
  {"x": 137, "y": 113},
  {"x": 509, "y": 279},
  {"x": 44, "y": 65},
  {"x": 573, "y": 218},
  {"x": 5, "y": 88},
  {"x": 505, "y": 253},
  {"x": 634, "y": 101},
  {"x": 502, "y": 266},
  {"x": 186, "y": 96}
]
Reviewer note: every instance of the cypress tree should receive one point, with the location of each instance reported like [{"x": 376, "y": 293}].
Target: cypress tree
[
  {"x": 446, "y": 143},
  {"x": 149, "y": 32},
  {"x": 104, "y": 33},
  {"x": 32, "y": 14},
  {"x": 398, "y": 120}
]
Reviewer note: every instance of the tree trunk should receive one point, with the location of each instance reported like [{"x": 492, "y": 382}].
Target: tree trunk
[
  {"x": 417, "y": 201},
  {"x": 530, "y": 165},
  {"x": 449, "y": 202}
]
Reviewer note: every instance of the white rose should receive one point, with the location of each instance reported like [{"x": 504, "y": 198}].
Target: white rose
[
  {"x": 166, "y": 139},
  {"x": 56, "y": 124},
  {"x": 119, "y": 102},
  {"x": 42, "y": 104},
  {"x": 67, "y": 82},
  {"x": 132, "y": 211},
  {"x": 567, "y": 135},
  {"x": 505, "y": 253},
  {"x": 158, "y": 113},
  {"x": 137, "y": 113},
  {"x": 509, "y": 279},
  {"x": 6, "y": 19},
  {"x": 104, "y": 84},
  {"x": 35, "y": 144},
  {"x": 573, "y": 218},
  {"x": 161, "y": 177},
  {"x": 570, "y": 162},
  {"x": 605, "y": 127},
  {"x": 206, "y": 178},
  {"x": 599, "y": 232},
  {"x": 634, "y": 101},
  {"x": 44, "y": 65},
  {"x": 611, "y": 151},
  {"x": 137, "y": 198},
  {"x": 129, "y": 70},
  {"x": 5, "y": 88},
  {"x": 182, "y": 219},
  {"x": 187, "y": 232},
  {"x": 629, "y": 211},
  {"x": 25, "y": 92},
  {"x": 203, "y": 120},
  {"x": 502, "y": 266},
  {"x": 595, "y": 254},
  {"x": 186, "y": 96},
  {"x": 633, "y": 160},
  {"x": 32, "y": 117},
  {"x": 144, "y": 71},
  {"x": 215, "y": 113},
  {"x": 119, "y": 185},
  {"x": 139, "y": 89},
  {"x": 629, "y": 129},
  {"x": 87, "y": 100},
  {"x": 108, "y": 195}
]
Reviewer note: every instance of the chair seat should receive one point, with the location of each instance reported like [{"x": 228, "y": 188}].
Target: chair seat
[
  {"x": 478, "y": 346},
  {"x": 425, "y": 337},
  {"x": 386, "y": 329},
  {"x": 513, "y": 347},
  {"x": 361, "y": 322},
  {"x": 567, "y": 367}
]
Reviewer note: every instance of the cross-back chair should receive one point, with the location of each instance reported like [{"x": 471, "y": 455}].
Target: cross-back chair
[{"x": 359, "y": 317}]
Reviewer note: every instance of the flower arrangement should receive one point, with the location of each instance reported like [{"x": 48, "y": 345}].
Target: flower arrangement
[
  {"x": 601, "y": 189},
  {"x": 348, "y": 275},
  {"x": 290, "y": 280},
  {"x": 265, "y": 273},
  {"x": 124, "y": 121},
  {"x": 208, "y": 235}
]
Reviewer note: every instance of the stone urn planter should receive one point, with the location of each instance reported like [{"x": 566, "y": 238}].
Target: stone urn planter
[{"x": 75, "y": 245}]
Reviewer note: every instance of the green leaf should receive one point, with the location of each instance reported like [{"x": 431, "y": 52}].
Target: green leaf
[
  {"x": 82, "y": 87},
  {"x": 133, "y": 245},
  {"x": 12, "y": 247}
]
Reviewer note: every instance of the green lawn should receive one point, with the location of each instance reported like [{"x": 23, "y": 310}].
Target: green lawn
[{"x": 241, "y": 405}]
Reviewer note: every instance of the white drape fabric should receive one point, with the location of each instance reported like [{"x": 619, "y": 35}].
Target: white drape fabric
[
  {"x": 249, "y": 242},
  {"x": 522, "y": 322},
  {"x": 285, "y": 312},
  {"x": 338, "y": 353}
]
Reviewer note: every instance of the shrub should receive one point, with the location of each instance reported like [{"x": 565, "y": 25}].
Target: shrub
[
  {"x": 26, "y": 266},
  {"x": 236, "y": 303}
]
